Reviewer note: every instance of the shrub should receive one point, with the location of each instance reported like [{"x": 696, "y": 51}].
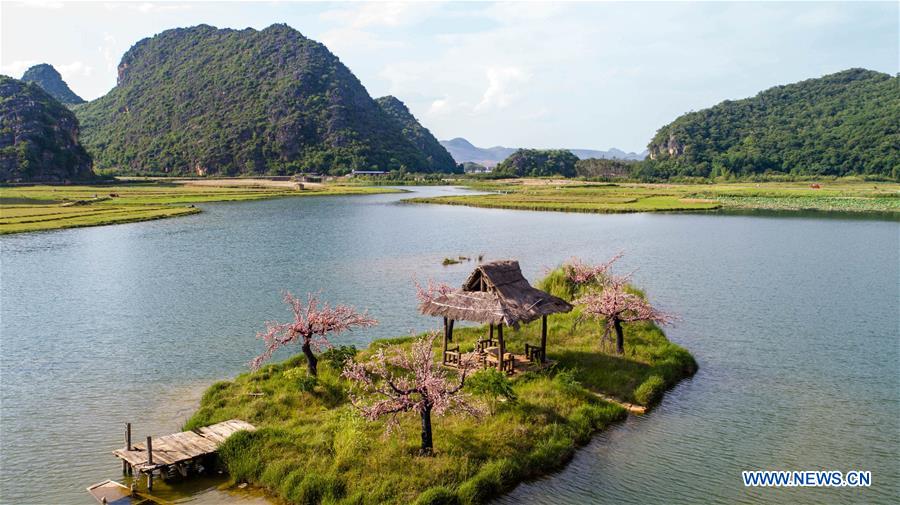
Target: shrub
[
  {"x": 335, "y": 357},
  {"x": 438, "y": 495},
  {"x": 491, "y": 384},
  {"x": 305, "y": 382},
  {"x": 567, "y": 380},
  {"x": 276, "y": 472},
  {"x": 557, "y": 284},
  {"x": 313, "y": 488},
  {"x": 241, "y": 455},
  {"x": 549, "y": 453},
  {"x": 490, "y": 481},
  {"x": 650, "y": 391}
]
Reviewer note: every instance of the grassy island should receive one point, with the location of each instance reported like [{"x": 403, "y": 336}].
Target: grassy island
[
  {"x": 312, "y": 445},
  {"x": 567, "y": 195},
  {"x": 42, "y": 207}
]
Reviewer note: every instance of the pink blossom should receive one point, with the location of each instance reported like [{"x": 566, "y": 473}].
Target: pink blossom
[
  {"x": 394, "y": 381},
  {"x": 431, "y": 291},
  {"x": 612, "y": 302},
  {"x": 581, "y": 273},
  {"x": 313, "y": 322}
]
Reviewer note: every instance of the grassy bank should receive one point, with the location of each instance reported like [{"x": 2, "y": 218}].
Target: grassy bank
[
  {"x": 578, "y": 196},
  {"x": 37, "y": 208},
  {"x": 313, "y": 447}
]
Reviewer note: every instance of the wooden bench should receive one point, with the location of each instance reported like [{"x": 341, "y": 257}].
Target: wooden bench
[
  {"x": 451, "y": 356},
  {"x": 534, "y": 353},
  {"x": 490, "y": 358},
  {"x": 484, "y": 344}
]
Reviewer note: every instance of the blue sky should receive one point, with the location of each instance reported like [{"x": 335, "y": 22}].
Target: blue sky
[{"x": 578, "y": 75}]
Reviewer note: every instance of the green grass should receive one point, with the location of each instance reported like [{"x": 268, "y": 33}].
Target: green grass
[
  {"x": 578, "y": 196},
  {"x": 39, "y": 208},
  {"x": 313, "y": 447}
]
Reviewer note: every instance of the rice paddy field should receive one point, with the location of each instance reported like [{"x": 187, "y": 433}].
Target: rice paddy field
[
  {"x": 580, "y": 196},
  {"x": 44, "y": 207}
]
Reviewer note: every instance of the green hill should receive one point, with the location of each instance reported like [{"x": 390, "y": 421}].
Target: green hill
[
  {"x": 439, "y": 160},
  {"x": 202, "y": 100},
  {"x": 538, "y": 163},
  {"x": 45, "y": 76},
  {"x": 840, "y": 124},
  {"x": 38, "y": 136}
]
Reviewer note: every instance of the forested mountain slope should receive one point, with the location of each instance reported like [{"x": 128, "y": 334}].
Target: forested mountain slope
[{"x": 840, "y": 124}]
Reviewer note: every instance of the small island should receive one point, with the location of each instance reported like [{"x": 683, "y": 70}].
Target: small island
[{"x": 322, "y": 439}]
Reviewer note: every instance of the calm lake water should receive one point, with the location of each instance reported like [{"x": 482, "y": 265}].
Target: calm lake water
[{"x": 793, "y": 320}]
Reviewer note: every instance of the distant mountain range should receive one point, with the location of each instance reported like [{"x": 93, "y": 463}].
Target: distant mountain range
[
  {"x": 45, "y": 76},
  {"x": 462, "y": 151}
]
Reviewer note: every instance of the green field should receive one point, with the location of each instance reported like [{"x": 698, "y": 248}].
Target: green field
[
  {"x": 313, "y": 447},
  {"x": 37, "y": 208},
  {"x": 578, "y": 196}
]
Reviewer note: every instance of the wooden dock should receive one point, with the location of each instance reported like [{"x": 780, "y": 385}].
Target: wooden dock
[{"x": 177, "y": 452}]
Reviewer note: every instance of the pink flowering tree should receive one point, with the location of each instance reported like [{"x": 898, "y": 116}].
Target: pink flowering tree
[
  {"x": 431, "y": 290},
  {"x": 394, "y": 382},
  {"x": 614, "y": 304},
  {"x": 581, "y": 273},
  {"x": 313, "y": 322}
]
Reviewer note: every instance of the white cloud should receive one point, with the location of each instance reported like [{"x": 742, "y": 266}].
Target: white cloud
[
  {"x": 357, "y": 26},
  {"x": 110, "y": 51},
  {"x": 381, "y": 14},
  {"x": 17, "y": 68},
  {"x": 503, "y": 87},
  {"x": 516, "y": 12},
  {"x": 69, "y": 71},
  {"x": 439, "y": 107},
  {"x": 74, "y": 69},
  {"x": 147, "y": 7},
  {"x": 345, "y": 40},
  {"x": 43, "y": 4}
]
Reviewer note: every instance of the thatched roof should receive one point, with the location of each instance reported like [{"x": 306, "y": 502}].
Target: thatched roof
[{"x": 495, "y": 293}]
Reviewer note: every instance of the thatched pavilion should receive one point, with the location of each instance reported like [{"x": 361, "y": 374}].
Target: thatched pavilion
[{"x": 495, "y": 294}]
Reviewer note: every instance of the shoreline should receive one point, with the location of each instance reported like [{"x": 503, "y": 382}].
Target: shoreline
[
  {"x": 40, "y": 208},
  {"x": 311, "y": 446},
  {"x": 844, "y": 197}
]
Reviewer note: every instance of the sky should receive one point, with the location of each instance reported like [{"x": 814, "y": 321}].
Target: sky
[{"x": 576, "y": 75}]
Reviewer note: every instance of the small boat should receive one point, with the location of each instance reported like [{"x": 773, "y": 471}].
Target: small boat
[{"x": 110, "y": 492}]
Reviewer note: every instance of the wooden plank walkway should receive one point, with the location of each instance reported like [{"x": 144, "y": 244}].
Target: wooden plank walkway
[{"x": 180, "y": 447}]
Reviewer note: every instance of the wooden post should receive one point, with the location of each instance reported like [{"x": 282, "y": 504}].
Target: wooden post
[
  {"x": 125, "y": 465},
  {"x": 446, "y": 330},
  {"x": 150, "y": 463},
  {"x": 450, "y": 331},
  {"x": 544, "y": 339},
  {"x": 501, "y": 348},
  {"x": 491, "y": 326}
]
